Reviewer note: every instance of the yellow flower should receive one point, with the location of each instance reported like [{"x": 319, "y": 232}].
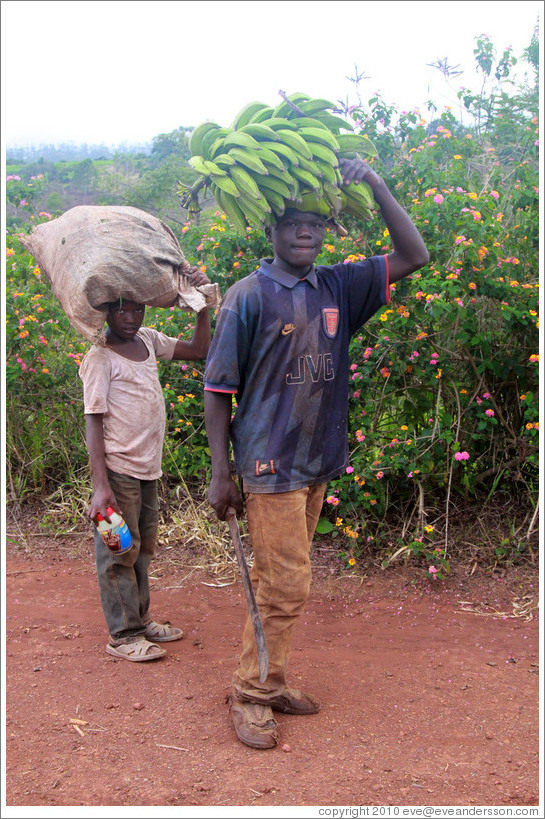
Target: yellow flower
[
  {"x": 351, "y": 562},
  {"x": 404, "y": 427},
  {"x": 428, "y": 528}
]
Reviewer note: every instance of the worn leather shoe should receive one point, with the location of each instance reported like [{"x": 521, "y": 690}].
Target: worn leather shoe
[
  {"x": 292, "y": 701},
  {"x": 254, "y": 724}
]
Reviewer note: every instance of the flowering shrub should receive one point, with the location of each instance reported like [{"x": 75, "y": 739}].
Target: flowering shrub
[{"x": 443, "y": 380}]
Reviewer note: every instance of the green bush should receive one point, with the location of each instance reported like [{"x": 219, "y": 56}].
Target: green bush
[{"x": 444, "y": 380}]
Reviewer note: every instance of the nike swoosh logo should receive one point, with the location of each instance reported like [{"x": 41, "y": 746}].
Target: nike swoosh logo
[{"x": 287, "y": 329}]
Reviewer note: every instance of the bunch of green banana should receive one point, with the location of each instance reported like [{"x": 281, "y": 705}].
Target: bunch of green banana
[{"x": 274, "y": 158}]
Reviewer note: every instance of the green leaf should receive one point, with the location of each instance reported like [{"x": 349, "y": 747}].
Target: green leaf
[{"x": 324, "y": 526}]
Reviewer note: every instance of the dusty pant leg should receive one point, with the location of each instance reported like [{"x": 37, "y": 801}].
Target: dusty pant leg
[
  {"x": 281, "y": 528},
  {"x": 117, "y": 577},
  {"x": 148, "y": 525}
]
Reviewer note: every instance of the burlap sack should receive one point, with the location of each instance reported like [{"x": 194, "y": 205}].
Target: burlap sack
[{"x": 96, "y": 254}]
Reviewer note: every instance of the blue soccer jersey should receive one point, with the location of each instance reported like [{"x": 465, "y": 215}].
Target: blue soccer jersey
[{"x": 281, "y": 348}]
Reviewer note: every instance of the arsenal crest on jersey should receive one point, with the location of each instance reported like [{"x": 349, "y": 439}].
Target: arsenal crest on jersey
[{"x": 330, "y": 321}]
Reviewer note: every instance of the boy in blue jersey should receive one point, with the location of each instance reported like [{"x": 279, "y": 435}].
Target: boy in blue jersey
[{"x": 281, "y": 348}]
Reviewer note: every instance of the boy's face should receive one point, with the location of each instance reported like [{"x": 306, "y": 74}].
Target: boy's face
[
  {"x": 125, "y": 318},
  {"x": 297, "y": 240}
]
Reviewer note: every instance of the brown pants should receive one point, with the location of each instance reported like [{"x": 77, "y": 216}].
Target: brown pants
[{"x": 281, "y": 528}]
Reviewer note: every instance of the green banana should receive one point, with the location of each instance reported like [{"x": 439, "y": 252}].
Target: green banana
[
  {"x": 238, "y": 139},
  {"x": 262, "y": 116},
  {"x": 335, "y": 124},
  {"x": 309, "y": 122},
  {"x": 198, "y": 164},
  {"x": 231, "y": 208},
  {"x": 308, "y": 179},
  {"x": 217, "y": 147},
  {"x": 310, "y": 166},
  {"x": 249, "y": 159},
  {"x": 333, "y": 196},
  {"x": 321, "y": 135},
  {"x": 282, "y": 151},
  {"x": 275, "y": 200},
  {"x": 226, "y": 183},
  {"x": 326, "y": 171},
  {"x": 224, "y": 160},
  {"x": 245, "y": 115},
  {"x": 311, "y": 203},
  {"x": 284, "y": 177},
  {"x": 244, "y": 182},
  {"x": 260, "y": 131},
  {"x": 210, "y": 138},
  {"x": 297, "y": 97},
  {"x": 253, "y": 214},
  {"x": 197, "y": 136},
  {"x": 323, "y": 152},
  {"x": 351, "y": 143},
  {"x": 283, "y": 109},
  {"x": 281, "y": 122},
  {"x": 313, "y": 106},
  {"x": 295, "y": 141},
  {"x": 271, "y": 183},
  {"x": 269, "y": 158},
  {"x": 359, "y": 198},
  {"x": 213, "y": 168}
]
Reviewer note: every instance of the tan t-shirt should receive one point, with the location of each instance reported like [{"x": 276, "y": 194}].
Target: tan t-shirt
[{"x": 130, "y": 396}]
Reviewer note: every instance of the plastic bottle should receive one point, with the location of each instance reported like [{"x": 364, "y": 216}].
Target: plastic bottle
[{"x": 116, "y": 534}]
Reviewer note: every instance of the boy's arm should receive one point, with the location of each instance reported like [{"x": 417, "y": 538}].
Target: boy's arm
[
  {"x": 197, "y": 348},
  {"x": 409, "y": 252},
  {"x": 103, "y": 495},
  {"x": 222, "y": 491}
]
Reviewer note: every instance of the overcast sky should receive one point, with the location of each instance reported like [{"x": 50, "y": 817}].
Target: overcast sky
[{"x": 126, "y": 71}]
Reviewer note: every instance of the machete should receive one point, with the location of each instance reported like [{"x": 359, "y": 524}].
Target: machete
[{"x": 262, "y": 652}]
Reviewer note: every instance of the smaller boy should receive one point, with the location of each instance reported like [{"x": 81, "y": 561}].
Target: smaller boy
[{"x": 125, "y": 424}]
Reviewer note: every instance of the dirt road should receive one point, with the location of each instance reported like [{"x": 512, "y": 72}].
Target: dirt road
[{"x": 423, "y": 702}]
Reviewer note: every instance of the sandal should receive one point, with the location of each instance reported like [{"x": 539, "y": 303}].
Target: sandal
[
  {"x": 162, "y": 632},
  {"x": 137, "y": 651}
]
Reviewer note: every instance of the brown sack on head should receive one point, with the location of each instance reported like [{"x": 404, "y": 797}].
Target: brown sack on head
[{"x": 96, "y": 254}]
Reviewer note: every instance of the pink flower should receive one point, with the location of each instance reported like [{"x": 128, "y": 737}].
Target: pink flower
[
  {"x": 438, "y": 198},
  {"x": 489, "y": 412},
  {"x": 349, "y": 470},
  {"x": 380, "y": 475},
  {"x": 462, "y": 456},
  {"x": 433, "y": 571}
]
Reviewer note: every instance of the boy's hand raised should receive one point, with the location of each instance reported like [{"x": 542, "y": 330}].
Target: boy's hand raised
[
  {"x": 196, "y": 276},
  {"x": 357, "y": 170}
]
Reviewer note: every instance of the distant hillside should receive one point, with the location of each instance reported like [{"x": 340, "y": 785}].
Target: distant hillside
[{"x": 68, "y": 151}]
